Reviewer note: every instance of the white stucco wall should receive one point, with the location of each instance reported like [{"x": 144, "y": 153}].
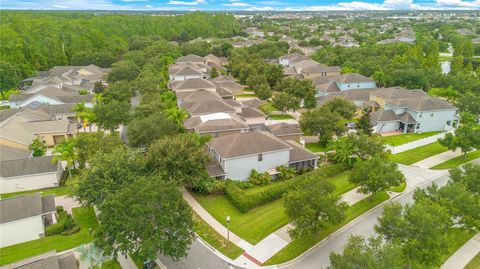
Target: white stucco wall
[
  {"x": 22, "y": 230},
  {"x": 435, "y": 122},
  {"x": 386, "y": 126},
  {"x": 240, "y": 168},
  {"x": 359, "y": 85},
  {"x": 28, "y": 182}
]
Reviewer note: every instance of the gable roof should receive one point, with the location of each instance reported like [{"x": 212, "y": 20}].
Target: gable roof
[
  {"x": 397, "y": 93},
  {"x": 190, "y": 58},
  {"x": 249, "y": 143},
  {"x": 207, "y": 106},
  {"x": 254, "y": 102},
  {"x": 251, "y": 112},
  {"x": 28, "y": 166},
  {"x": 191, "y": 84},
  {"x": 25, "y": 206}
]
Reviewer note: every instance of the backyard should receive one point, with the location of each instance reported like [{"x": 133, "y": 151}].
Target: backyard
[
  {"x": 397, "y": 140},
  {"x": 315, "y": 147},
  {"x": 417, "y": 154},
  {"x": 280, "y": 117},
  {"x": 84, "y": 216},
  {"x": 58, "y": 191}
]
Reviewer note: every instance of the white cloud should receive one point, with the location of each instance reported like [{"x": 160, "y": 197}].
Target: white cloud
[
  {"x": 458, "y": 3},
  {"x": 260, "y": 9},
  {"x": 128, "y": 1},
  {"x": 186, "y": 3},
  {"x": 236, "y": 3}
]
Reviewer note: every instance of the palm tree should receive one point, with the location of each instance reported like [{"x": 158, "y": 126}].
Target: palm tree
[
  {"x": 80, "y": 109},
  {"x": 91, "y": 256},
  {"x": 380, "y": 78},
  {"x": 343, "y": 151},
  {"x": 88, "y": 117},
  {"x": 65, "y": 151}
]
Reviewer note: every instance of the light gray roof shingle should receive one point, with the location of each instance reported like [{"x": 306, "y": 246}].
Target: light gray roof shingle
[
  {"x": 49, "y": 260},
  {"x": 28, "y": 166},
  {"x": 283, "y": 129},
  {"x": 299, "y": 153},
  {"x": 251, "y": 112},
  {"x": 24, "y": 206},
  {"x": 351, "y": 78},
  {"x": 422, "y": 103},
  {"x": 9, "y": 153}
]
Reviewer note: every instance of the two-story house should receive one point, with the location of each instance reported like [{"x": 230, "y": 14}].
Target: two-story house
[
  {"x": 410, "y": 111},
  {"x": 238, "y": 154}
]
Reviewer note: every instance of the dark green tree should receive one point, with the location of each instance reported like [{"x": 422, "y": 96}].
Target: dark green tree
[{"x": 38, "y": 147}]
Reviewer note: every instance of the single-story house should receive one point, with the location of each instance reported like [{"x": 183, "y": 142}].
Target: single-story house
[
  {"x": 25, "y": 217},
  {"x": 49, "y": 95},
  {"x": 238, "y": 154},
  {"x": 49, "y": 260},
  {"x": 27, "y": 173}
]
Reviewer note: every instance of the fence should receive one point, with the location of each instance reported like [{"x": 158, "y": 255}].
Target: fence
[{"x": 416, "y": 143}]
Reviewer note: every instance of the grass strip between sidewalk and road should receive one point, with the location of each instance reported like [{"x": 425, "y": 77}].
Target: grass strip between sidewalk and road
[
  {"x": 216, "y": 240},
  {"x": 457, "y": 161},
  {"x": 417, "y": 154},
  {"x": 397, "y": 140},
  {"x": 457, "y": 238},
  {"x": 474, "y": 263},
  {"x": 299, "y": 246},
  {"x": 84, "y": 216},
  {"x": 57, "y": 191}
]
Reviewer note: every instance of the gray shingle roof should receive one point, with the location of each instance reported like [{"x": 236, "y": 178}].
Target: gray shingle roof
[
  {"x": 25, "y": 206},
  {"x": 190, "y": 58},
  {"x": 299, "y": 153},
  {"x": 192, "y": 84},
  {"x": 251, "y": 112},
  {"x": 283, "y": 129},
  {"x": 49, "y": 260},
  {"x": 28, "y": 166},
  {"x": 422, "y": 103},
  {"x": 351, "y": 78},
  {"x": 242, "y": 144},
  {"x": 383, "y": 115},
  {"x": 8, "y": 153},
  {"x": 397, "y": 93}
]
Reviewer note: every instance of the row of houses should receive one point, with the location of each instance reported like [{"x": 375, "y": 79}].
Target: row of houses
[
  {"x": 241, "y": 140},
  {"x": 43, "y": 109},
  {"x": 394, "y": 109}
]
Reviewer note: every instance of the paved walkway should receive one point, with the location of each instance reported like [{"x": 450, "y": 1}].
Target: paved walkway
[
  {"x": 126, "y": 262},
  {"x": 464, "y": 254},
  {"x": 67, "y": 202},
  {"x": 437, "y": 159},
  {"x": 217, "y": 226}
]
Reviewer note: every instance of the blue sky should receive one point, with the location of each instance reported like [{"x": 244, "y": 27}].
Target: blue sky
[{"x": 250, "y": 5}]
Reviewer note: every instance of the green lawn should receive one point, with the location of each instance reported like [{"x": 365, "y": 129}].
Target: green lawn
[
  {"x": 84, "y": 216},
  {"x": 281, "y": 117},
  {"x": 252, "y": 226},
  {"x": 58, "y": 191},
  {"x": 342, "y": 183},
  {"x": 474, "y": 263},
  {"x": 297, "y": 247},
  {"x": 399, "y": 188},
  {"x": 457, "y": 161},
  {"x": 417, "y": 154},
  {"x": 245, "y": 95},
  {"x": 315, "y": 147},
  {"x": 445, "y": 58},
  {"x": 112, "y": 264},
  {"x": 457, "y": 238},
  {"x": 396, "y": 140},
  {"x": 217, "y": 241}
]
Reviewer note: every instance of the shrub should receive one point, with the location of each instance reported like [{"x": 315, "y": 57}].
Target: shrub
[
  {"x": 209, "y": 186},
  {"x": 59, "y": 208},
  {"x": 82, "y": 92},
  {"x": 285, "y": 172},
  {"x": 74, "y": 229},
  {"x": 245, "y": 201},
  {"x": 242, "y": 184},
  {"x": 260, "y": 179},
  {"x": 65, "y": 222}
]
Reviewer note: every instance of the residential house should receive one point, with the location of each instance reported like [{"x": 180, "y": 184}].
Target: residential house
[
  {"x": 288, "y": 59},
  {"x": 410, "y": 111},
  {"x": 49, "y": 260},
  {"x": 353, "y": 81},
  {"x": 202, "y": 102},
  {"x": 49, "y": 95},
  {"x": 216, "y": 124},
  {"x": 25, "y": 217},
  {"x": 188, "y": 70},
  {"x": 18, "y": 128},
  {"x": 310, "y": 69},
  {"x": 253, "y": 102},
  {"x": 21, "y": 172},
  {"x": 346, "y": 41},
  {"x": 238, "y": 154},
  {"x": 253, "y": 117},
  {"x": 191, "y": 58},
  {"x": 255, "y": 32},
  {"x": 84, "y": 76},
  {"x": 285, "y": 131}
]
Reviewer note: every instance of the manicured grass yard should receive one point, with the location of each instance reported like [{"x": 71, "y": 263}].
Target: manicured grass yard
[
  {"x": 261, "y": 221},
  {"x": 84, "y": 216},
  {"x": 112, "y": 264},
  {"x": 58, "y": 191},
  {"x": 457, "y": 238},
  {"x": 315, "y": 147},
  {"x": 280, "y": 117},
  {"x": 396, "y": 140},
  {"x": 252, "y": 226},
  {"x": 219, "y": 242},
  {"x": 297, "y": 247},
  {"x": 417, "y": 154},
  {"x": 474, "y": 263},
  {"x": 457, "y": 161},
  {"x": 245, "y": 95},
  {"x": 399, "y": 188}
]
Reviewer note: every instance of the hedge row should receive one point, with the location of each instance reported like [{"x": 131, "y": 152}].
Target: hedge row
[
  {"x": 245, "y": 201},
  {"x": 64, "y": 222}
]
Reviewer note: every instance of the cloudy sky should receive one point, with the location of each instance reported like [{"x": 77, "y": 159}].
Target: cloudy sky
[{"x": 250, "y": 5}]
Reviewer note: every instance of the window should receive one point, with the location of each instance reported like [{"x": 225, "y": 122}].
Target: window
[
  {"x": 449, "y": 123},
  {"x": 420, "y": 115},
  {"x": 260, "y": 157},
  {"x": 418, "y": 126},
  {"x": 431, "y": 114}
]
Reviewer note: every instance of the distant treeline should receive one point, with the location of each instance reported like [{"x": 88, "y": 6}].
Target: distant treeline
[{"x": 34, "y": 40}]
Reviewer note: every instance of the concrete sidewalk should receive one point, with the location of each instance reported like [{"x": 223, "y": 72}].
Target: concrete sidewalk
[
  {"x": 217, "y": 226},
  {"x": 437, "y": 159},
  {"x": 464, "y": 254},
  {"x": 126, "y": 262}
]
